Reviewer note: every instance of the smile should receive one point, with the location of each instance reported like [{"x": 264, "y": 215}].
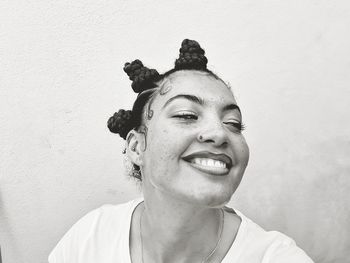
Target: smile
[
  {"x": 209, "y": 166},
  {"x": 215, "y": 164},
  {"x": 209, "y": 162}
]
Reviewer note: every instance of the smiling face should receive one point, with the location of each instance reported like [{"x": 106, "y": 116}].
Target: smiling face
[{"x": 195, "y": 149}]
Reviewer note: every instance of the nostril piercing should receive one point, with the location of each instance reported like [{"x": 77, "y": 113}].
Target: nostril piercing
[{"x": 200, "y": 137}]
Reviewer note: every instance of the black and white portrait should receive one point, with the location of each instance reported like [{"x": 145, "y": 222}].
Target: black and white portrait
[{"x": 174, "y": 131}]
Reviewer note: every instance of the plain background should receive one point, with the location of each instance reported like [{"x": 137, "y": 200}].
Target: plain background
[{"x": 61, "y": 78}]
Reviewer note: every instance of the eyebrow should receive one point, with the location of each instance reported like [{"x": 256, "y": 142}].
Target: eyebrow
[
  {"x": 231, "y": 107},
  {"x": 200, "y": 101},
  {"x": 192, "y": 98}
]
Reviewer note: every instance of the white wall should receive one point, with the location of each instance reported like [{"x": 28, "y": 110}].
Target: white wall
[{"x": 61, "y": 78}]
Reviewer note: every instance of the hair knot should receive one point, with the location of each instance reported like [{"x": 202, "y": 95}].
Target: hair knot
[
  {"x": 121, "y": 122},
  {"x": 191, "y": 56},
  {"x": 142, "y": 77}
]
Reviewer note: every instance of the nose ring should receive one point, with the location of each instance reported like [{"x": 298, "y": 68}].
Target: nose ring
[{"x": 200, "y": 137}]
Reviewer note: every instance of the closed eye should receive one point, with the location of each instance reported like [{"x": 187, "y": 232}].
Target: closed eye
[
  {"x": 186, "y": 116},
  {"x": 236, "y": 125}
]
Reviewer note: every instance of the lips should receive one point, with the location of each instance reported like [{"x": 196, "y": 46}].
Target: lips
[{"x": 208, "y": 162}]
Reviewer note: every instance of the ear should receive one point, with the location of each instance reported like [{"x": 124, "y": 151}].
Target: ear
[{"x": 135, "y": 145}]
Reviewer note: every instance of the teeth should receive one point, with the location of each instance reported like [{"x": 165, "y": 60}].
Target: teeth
[{"x": 209, "y": 162}]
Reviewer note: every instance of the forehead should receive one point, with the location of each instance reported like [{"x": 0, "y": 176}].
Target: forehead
[{"x": 200, "y": 84}]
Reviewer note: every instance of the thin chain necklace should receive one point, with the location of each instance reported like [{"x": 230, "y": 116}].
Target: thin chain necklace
[{"x": 222, "y": 221}]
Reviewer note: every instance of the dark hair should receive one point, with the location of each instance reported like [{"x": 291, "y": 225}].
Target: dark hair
[{"x": 146, "y": 81}]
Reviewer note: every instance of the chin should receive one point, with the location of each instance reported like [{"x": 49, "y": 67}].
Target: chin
[{"x": 211, "y": 199}]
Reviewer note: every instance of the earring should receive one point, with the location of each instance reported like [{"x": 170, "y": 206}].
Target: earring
[
  {"x": 136, "y": 174},
  {"x": 130, "y": 168},
  {"x": 133, "y": 148}
]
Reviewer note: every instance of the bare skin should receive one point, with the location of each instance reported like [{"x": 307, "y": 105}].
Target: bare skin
[
  {"x": 180, "y": 215},
  {"x": 181, "y": 248}
]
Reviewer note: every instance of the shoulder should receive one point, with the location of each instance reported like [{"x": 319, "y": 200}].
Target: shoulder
[
  {"x": 258, "y": 245},
  {"x": 285, "y": 251},
  {"x": 94, "y": 230}
]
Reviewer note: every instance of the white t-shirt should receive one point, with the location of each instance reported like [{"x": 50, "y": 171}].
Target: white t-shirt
[{"x": 102, "y": 236}]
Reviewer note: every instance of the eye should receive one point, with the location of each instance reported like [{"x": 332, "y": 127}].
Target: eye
[
  {"x": 186, "y": 116},
  {"x": 237, "y": 126}
]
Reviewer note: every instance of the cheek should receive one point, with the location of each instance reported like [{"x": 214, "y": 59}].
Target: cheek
[
  {"x": 243, "y": 151},
  {"x": 162, "y": 156},
  {"x": 165, "y": 147}
]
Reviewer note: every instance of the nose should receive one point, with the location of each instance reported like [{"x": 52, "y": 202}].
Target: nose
[{"x": 214, "y": 133}]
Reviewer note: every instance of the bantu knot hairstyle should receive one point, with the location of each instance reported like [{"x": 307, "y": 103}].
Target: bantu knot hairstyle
[
  {"x": 142, "y": 77},
  {"x": 191, "y": 56},
  {"x": 121, "y": 122}
]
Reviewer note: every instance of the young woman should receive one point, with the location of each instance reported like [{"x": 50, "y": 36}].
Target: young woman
[{"x": 184, "y": 141}]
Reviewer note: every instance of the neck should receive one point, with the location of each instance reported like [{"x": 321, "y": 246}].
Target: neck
[{"x": 177, "y": 231}]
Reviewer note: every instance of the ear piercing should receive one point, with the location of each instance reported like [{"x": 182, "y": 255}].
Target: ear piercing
[
  {"x": 150, "y": 114},
  {"x": 133, "y": 148}
]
